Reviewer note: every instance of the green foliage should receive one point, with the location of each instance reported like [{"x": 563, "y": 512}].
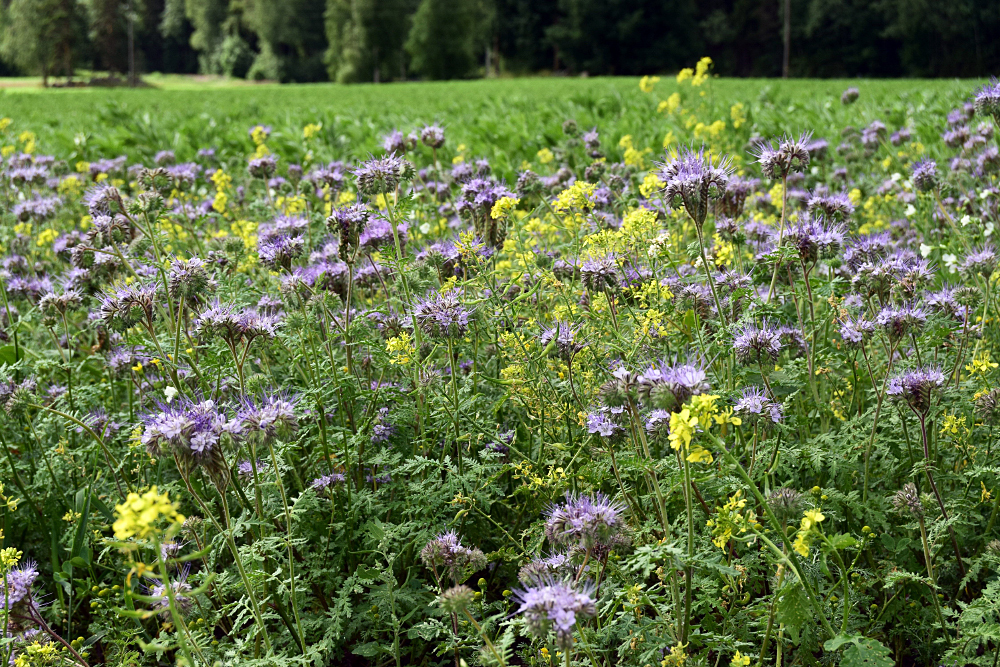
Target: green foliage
[{"x": 443, "y": 41}]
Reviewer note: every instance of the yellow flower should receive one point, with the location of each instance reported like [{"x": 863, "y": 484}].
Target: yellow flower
[
  {"x": 503, "y": 206},
  {"x": 737, "y": 115},
  {"x": 9, "y": 557},
  {"x": 669, "y": 138},
  {"x": 46, "y": 237},
  {"x": 812, "y": 518},
  {"x": 5, "y": 123},
  {"x": 685, "y": 74},
  {"x": 676, "y": 657},
  {"x": 740, "y": 660},
  {"x": 650, "y": 183},
  {"x": 701, "y": 71},
  {"x": 986, "y": 493},
  {"x": 682, "y": 428},
  {"x": 139, "y": 516},
  {"x": 311, "y": 130},
  {"x": 981, "y": 364},
  {"x": 698, "y": 454},
  {"x": 545, "y": 156},
  {"x": 400, "y": 349},
  {"x": 576, "y": 196},
  {"x": 646, "y": 83}
]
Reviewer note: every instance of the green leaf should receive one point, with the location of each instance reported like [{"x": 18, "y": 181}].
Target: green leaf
[
  {"x": 7, "y": 354},
  {"x": 368, "y": 650},
  {"x": 862, "y": 652},
  {"x": 842, "y": 541},
  {"x": 867, "y": 652},
  {"x": 793, "y": 609}
]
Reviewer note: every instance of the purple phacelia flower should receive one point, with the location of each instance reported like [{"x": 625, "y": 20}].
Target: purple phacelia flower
[{"x": 555, "y": 605}]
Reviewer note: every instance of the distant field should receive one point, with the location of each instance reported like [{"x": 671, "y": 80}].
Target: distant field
[{"x": 492, "y": 117}]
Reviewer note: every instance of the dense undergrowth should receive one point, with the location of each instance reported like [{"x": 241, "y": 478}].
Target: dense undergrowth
[{"x": 688, "y": 390}]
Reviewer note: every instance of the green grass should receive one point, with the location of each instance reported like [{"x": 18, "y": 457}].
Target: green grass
[{"x": 494, "y": 118}]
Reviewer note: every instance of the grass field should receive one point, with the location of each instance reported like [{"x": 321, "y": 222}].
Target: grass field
[{"x": 493, "y": 118}]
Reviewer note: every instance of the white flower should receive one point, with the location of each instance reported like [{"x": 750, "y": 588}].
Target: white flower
[
  {"x": 951, "y": 262},
  {"x": 425, "y": 228},
  {"x": 989, "y": 229},
  {"x": 910, "y": 210},
  {"x": 925, "y": 250},
  {"x": 965, "y": 220},
  {"x": 896, "y": 176},
  {"x": 171, "y": 393}
]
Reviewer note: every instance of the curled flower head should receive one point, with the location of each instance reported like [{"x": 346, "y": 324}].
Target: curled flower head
[
  {"x": 789, "y": 155},
  {"x": 194, "y": 431},
  {"x": 668, "y": 387},
  {"x": 856, "y": 331},
  {"x": 916, "y": 387},
  {"x": 263, "y": 167},
  {"x": 924, "y": 175},
  {"x": 15, "y": 586},
  {"x": 987, "y": 100},
  {"x": 432, "y": 136},
  {"x": 755, "y": 405},
  {"x": 757, "y": 344},
  {"x": 277, "y": 252},
  {"x": 380, "y": 175},
  {"x": 785, "y": 503},
  {"x": 126, "y": 305},
  {"x": 815, "y": 239},
  {"x": 907, "y": 500},
  {"x": 445, "y": 555},
  {"x": 988, "y": 406},
  {"x": 981, "y": 261},
  {"x": 442, "y": 315},
  {"x": 188, "y": 279},
  {"x": 583, "y": 520},
  {"x": 850, "y": 96},
  {"x": 555, "y": 605},
  {"x": 268, "y": 418},
  {"x": 180, "y": 591},
  {"x": 899, "y": 321},
  {"x": 456, "y": 599},
  {"x": 562, "y": 335},
  {"x": 693, "y": 179},
  {"x": 832, "y": 207}
]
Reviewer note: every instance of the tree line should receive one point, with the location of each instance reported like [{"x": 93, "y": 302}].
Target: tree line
[{"x": 385, "y": 40}]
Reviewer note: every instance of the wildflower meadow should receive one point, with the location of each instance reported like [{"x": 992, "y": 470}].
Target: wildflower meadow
[{"x": 590, "y": 373}]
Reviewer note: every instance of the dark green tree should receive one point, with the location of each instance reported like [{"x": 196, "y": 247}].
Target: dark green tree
[
  {"x": 291, "y": 36},
  {"x": 43, "y": 36},
  {"x": 366, "y": 39},
  {"x": 445, "y": 37}
]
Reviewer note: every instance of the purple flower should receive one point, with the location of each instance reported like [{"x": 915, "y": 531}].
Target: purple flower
[
  {"x": 836, "y": 206},
  {"x": 815, "y": 239},
  {"x": 668, "y": 387},
  {"x": 898, "y": 321},
  {"x": 164, "y": 157},
  {"x": 18, "y": 585},
  {"x": 262, "y": 167},
  {"x": 850, "y": 96},
  {"x": 555, "y": 605},
  {"x": 924, "y": 175},
  {"x": 125, "y": 306},
  {"x": 600, "y": 423},
  {"x": 378, "y": 234},
  {"x": 563, "y": 335},
  {"x": 379, "y": 175},
  {"x": 196, "y": 432},
  {"x": 446, "y": 553},
  {"x": 325, "y": 482},
  {"x": 442, "y": 315},
  {"x": 103, "y": 199},
  {"x": 987, "y": 100},
  {"x": 757, "y": 344},
  {"x": 584, "y": 520},
  {"x": 694, "y": 179},
  {"x": 600, "y": 273},
  {"x": 270, "y": 418},
  {"x": 38, "y": 209},
  {"x": 245, "y": 468},
  {"x": 277, "y": 252},
  {"x": 180, "y": 590},
  {"x": 432, "y": 136},
  {"x": 856, "y": 332},
  {"x": 394, "y": 142},
  {"x": 789, "y": 155},
  {"x": 916, "y": 387},
  {"x": 981, "y": 261},
  {"x": 754, "y": 404}
]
